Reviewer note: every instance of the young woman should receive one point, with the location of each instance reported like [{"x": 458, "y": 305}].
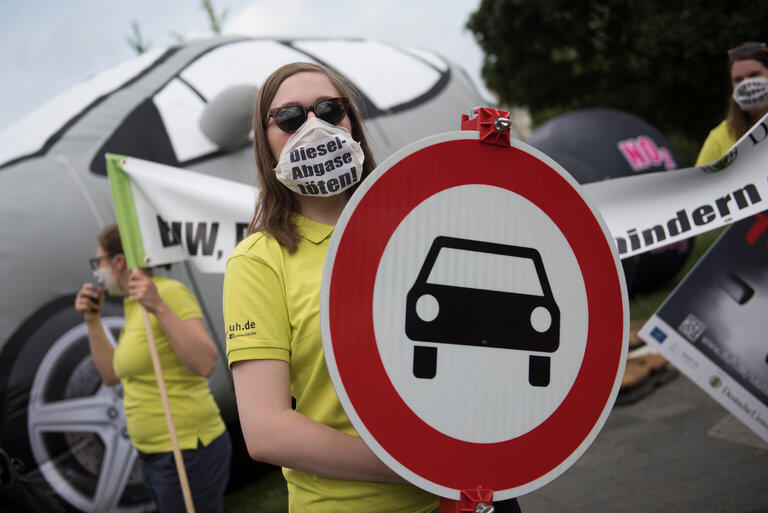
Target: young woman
[
  {"x": 188, "y": 357},
  {"x": 748, "y": 103},
  {"x": 311, "y": 152}
]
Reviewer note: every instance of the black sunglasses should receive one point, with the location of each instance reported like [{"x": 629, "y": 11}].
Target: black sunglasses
[
  {"x": 290, "y": 117},
  {"x": 747, "y": 48}
]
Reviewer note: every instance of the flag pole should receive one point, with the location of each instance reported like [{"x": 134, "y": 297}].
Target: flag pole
[
  {"x": 133, "y": 249},
  {"x": 167, "y": 409}
]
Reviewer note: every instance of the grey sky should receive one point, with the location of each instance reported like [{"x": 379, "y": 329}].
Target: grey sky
[{"x": 49, "y": 46}]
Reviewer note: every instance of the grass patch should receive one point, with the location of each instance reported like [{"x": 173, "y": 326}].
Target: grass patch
[{"x": 267, "y": 494}]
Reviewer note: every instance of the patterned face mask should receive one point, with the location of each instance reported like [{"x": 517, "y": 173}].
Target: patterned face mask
[
  {"x": 320, "y": 159},
  {"x": 752, "y": 94}
]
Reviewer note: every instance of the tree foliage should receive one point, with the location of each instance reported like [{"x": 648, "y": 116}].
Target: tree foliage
[
  {"x": 663, "y": 61},
  {"x": 214, "y": 20},
  {"x": 135, "y": 40}
]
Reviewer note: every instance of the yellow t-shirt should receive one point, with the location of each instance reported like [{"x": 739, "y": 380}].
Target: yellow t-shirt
[
  {"x": 271, "y": 311},
  {"x": 717, "y": 143},
  {"x": 195, "y": 413}
]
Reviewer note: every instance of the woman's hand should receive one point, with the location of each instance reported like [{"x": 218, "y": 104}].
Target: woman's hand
[
  {"x": 142, "y": 289},
  {"x": 89, "y": 301}
]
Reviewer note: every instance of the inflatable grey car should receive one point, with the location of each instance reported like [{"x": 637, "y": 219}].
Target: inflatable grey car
[{"x": 187, "y": 106}]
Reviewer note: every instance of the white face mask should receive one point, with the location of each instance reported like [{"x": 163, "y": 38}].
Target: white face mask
[
  {"x": 320, "y": 159},
  {"x": 105, "y": 277},
  {"x": 752, "y": 94}
]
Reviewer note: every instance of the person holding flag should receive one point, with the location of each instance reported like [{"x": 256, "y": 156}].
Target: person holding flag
[{"x": 188, "y": 356}]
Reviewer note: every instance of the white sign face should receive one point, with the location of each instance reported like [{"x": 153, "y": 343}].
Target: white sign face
[
  {"x": 480, "y": 394},
  {"x": 474, "y": 315}
]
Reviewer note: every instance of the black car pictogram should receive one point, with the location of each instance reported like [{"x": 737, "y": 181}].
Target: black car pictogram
[{"x": 485, "y": 294}]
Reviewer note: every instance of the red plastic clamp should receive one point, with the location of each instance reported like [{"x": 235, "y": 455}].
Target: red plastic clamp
[
  {"x": 492, "y": 124},
  {"x": 468, "y": 501}
]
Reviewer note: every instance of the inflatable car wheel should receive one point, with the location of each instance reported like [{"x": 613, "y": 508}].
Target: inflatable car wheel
[{"x": 59, "y": 418}]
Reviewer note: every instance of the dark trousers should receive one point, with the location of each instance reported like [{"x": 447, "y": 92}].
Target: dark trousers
[{"x": 207, "y": 472}]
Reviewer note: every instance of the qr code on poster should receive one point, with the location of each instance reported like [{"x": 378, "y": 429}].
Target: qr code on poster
[{"x": 692, "y": 327}]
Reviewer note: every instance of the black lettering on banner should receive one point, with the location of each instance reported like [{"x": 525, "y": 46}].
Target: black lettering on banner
[
  {"x": 170, "y": 235},
  {"x": 318, "y": 169},
  {"x": 703, "y": 215},
  {"x": 658, "y": 231},
  {"x": 722, "y": 205},
  {"x": 201, "y": 236},
  {"x": 679, "y": 224},
  {"x": 634, "y": 240},
  {"x": 296, "y": 172},
  {"x": 333, "y": 185},
  {"x": 241, "y": 230},
  {"x": 321, "y": 185},
  {"x": 331, "y": 146},
  {"x": 347, "y": 158},
  {"x": 755, "y": 137},
  {"x": 295, "y": 156},
  {"x": 321, "y": 149},
  {"x": 745, "y": 197},
  {"x": 311, "y": 153},
  {"x": 337, "y": 161},
  {"x": 741, "y": 201}
]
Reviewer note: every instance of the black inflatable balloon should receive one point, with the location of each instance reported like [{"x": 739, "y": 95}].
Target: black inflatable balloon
[{"x": 600, "y": 144}]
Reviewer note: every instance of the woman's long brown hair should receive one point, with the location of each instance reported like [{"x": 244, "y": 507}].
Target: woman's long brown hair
[
  {"x": 276, "y": 204},
  {"x": 737, "y": 120}
]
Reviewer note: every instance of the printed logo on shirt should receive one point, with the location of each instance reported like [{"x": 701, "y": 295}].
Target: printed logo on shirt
[{"x": 241, "y": 330}]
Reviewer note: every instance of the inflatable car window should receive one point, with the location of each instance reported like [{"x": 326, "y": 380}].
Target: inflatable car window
[{"x": 186, "y": 106}]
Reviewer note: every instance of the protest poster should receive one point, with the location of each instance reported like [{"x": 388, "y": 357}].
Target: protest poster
[{"x": 713, "y": 326}]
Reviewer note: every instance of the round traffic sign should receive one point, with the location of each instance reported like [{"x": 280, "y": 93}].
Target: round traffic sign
[{"x": 474, "y": 316}]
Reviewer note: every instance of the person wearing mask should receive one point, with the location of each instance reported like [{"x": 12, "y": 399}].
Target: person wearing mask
[
  {"x": 748, "y": 103},
  {"x": 311, "y": 153},
  {"x": 187, "y": 355}
]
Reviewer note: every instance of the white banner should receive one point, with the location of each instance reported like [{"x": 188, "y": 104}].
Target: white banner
[
  {"x": 183, "y": 215},
  {"x": 187, "y": 215},
  {"x": 648, "y": 211}
]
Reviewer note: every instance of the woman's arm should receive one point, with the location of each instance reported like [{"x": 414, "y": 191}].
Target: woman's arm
[
  {"x": 276, "y": 434},
  {"x": 189, "y": 339},
  {"x": 88, "y": 304}
]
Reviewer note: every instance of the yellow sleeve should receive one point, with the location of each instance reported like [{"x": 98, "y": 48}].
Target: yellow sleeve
[
  {"x": 256, "y": 323},
  {"x": 181, "y": 300},
  {"x": 717, "y": 143}
]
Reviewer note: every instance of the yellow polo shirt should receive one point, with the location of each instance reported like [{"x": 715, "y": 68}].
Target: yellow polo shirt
[
  {"x": 717, "y": 143},
  {"x": 271, "y": 311},
  {"x": 195, "y": 413}
]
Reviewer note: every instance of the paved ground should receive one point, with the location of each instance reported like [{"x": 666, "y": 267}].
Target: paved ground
[{"x": 676, "y": 450}]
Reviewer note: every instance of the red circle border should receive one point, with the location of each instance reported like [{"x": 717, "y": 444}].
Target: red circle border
[{"x": 439, "y": 458}]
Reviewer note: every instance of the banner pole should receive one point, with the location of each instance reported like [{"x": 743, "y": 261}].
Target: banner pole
[{"x": 167, "y": 408}]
